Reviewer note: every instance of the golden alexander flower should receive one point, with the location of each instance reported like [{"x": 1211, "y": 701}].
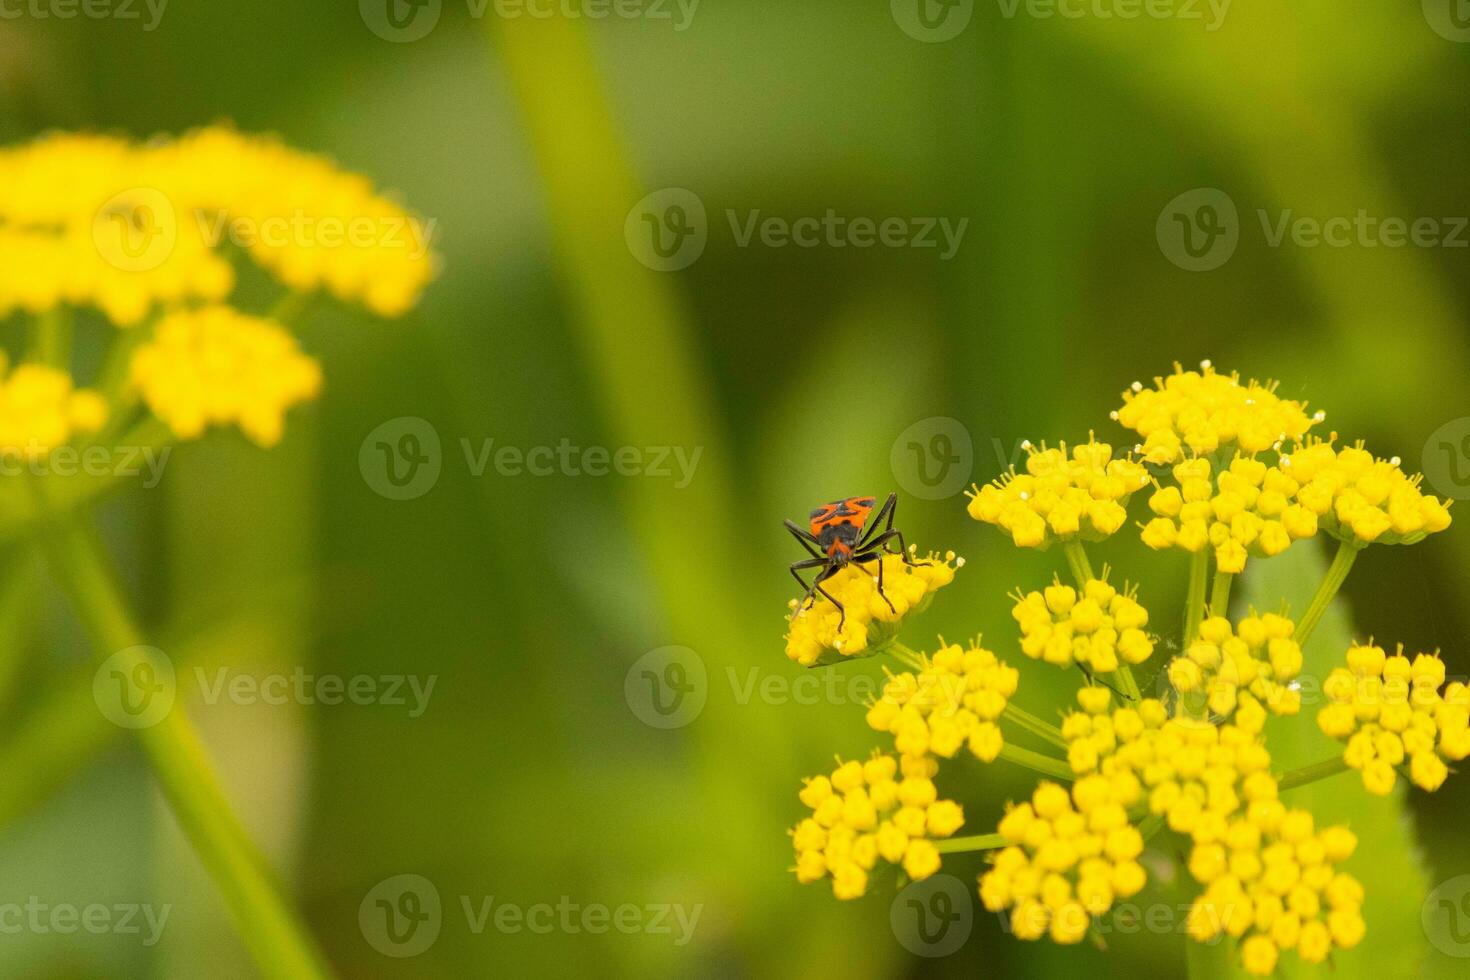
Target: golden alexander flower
[
  {"x": 1069, "y": 858},
  {"x": 1271, "y": 880},
  {"x": 1061, "y": 495},
  {"x": 216, "y": 366},
  {"x": 1363, "y": 500},
  {"x": 1099, "y": 627},
  {"x": 813, "y": 637},
  {"x": 125, "y": 227},
  {"x": 866, "y": 812},
  {"x": 1202, "y": 411},
  {"x": 40, "y": 409},
  {"x": 956, "y": 700},
  {"x": 1389, "y": 710},
  {"x": 1249, "y": 509},
  {"x": 1256, "y": 662},
  {"x": 1182, "y": 771}
]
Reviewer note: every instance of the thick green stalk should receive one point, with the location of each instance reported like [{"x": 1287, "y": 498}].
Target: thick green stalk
[
  {"x": 1029, "y": 722},
  {"x": 276, "y": 939},
  {"x": 1220, "y": 594},
  {"x": 1043, "y": 764},
  {"x": 1077, "y": 562},
  {"x": 1194, "y": 599},
  {"x": 51, "y": 338},
  {"x": 977, "y": 842},
  {"x": 1311, "y": 774},
  {"x": 1337, "y": 573}
]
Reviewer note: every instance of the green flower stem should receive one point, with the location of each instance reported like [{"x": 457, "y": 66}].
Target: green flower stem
[
  {"x": 51, "y": 337},
  {"x": 279, "y": 943},
  {"x": 1077, "y": 561},
  {"x": 905, "y": 655},
  {"x": 1220, "y": 594},
  {"x": 978, "y": 842},
  {"x": 1312, "y": 773},
  {"x": 1027, "y": 721},
  {"x": 1337, "y": 573},
  {"x": 1194, "y": 599},
  {"x": 1043, "y": 764}
]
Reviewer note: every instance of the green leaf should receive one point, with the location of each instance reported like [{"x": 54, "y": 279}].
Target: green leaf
[{"x": 1388, "y": 861}]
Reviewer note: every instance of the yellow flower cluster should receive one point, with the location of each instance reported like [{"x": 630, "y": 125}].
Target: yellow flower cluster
[
  {"x": 124, "y": 226},
  {"x": 40, "y": 410},
  {"x": 1389, "y": 709},
  {"x": 1363, "y": 500},
  {"x": 1202, "y": 411},
  {"x": 1061, "y": 496},
  {"x": 1269, "y": 878},
  {"x": 954, "y": 701},
  {"x": 1224, "y": 669},
  {"x": 216, "y": 366},
  {"x": 1250, "y": 509},
  {"x": 1271, "y": 881},
  {"x": 813, "y": 636},
  {"x": 1099, "y": 628},
  {"x": 864, "y": 812},
  {"x": 1185, "y": 772},
  {"x": 1068, "y": 859}
]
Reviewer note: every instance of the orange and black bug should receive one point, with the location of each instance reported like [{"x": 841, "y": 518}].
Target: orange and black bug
[{"x": 847, "y": 531}]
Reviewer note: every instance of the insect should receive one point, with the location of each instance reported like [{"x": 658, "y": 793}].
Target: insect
[{"x": 846, "y": 531}]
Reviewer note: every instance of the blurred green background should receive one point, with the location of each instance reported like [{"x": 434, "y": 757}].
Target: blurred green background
[{"x": 794, "y": 372}]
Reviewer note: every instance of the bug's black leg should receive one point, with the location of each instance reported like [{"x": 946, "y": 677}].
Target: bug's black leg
[
  {"x": 878, "y": 557},
  {"x": 881, "y": 522},
  {"x": 827, "y": 572},
  {"x": 903, "y": 549},
  {"x": 796, "y": 566},
  {"x": 808, "y": 542}
]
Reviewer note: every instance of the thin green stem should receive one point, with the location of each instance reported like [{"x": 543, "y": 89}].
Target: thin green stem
[
  {"x": 1077, "y": 562},
  {"x": 51, "y": 337},
  {"x": 1220, "y": 594},
  {"x": 1337, "y": 573},
  {"x": 1029, "y": 722},
  {"x": 1194, "y": 599},
  {"x": 279, "y": 942},
  {"x": 1311, "y": 774},
  {"x": 905, "y": 655},
  {"x": 1043, "y": 764},
  {"x": 288, "y": 310},
  {"x": 977, "y": 842}
]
